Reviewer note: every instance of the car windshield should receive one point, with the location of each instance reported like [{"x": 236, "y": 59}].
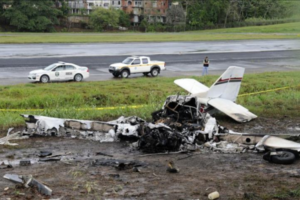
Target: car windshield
[
  {"x": 127, "y": 61},
  {"x": 50, "y": 67}
]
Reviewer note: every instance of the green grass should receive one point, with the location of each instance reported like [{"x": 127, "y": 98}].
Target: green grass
[
  {"x": 65, "y": 99},
  {"x": 277, "y": 28},
  {"x": 279, "y": 31}
]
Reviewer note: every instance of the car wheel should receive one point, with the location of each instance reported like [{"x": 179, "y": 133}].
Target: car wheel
[
  {"x": 146, "y": 73},
  {"x": 125, "y": 73},
  {"x": 44, "y": 79},
  {"x": 154, "y": 72},
  {"x": 78, "y": 77},
  {"x": 115, "y": 75},
  {"x": 282, "y": 157}
]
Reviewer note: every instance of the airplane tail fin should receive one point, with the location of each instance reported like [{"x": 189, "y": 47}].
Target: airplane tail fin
[{"x": 228, "y": 85}]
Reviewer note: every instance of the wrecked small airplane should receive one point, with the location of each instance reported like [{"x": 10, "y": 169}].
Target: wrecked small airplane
[
  {"x": 183, "y": 120},
  {"x": 220, "y": 96}
]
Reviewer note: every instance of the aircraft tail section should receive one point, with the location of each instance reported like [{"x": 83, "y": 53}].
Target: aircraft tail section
[{"x": 228, "y": 85}]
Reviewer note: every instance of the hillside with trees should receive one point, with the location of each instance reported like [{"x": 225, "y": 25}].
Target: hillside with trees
[{"x": 45, "y": 15}]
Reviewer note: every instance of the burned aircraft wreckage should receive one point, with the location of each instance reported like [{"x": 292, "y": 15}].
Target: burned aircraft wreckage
[
  {"x": 183, "y": 123},
  {"x": 175, "y": 127}
]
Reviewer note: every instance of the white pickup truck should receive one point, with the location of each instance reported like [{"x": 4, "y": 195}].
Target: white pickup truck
[{"x": 137, "y": 64}]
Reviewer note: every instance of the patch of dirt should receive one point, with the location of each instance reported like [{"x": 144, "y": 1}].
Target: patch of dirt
[
  {"x": 234, "y": 176},
  {"x": 263, "y": 125}
]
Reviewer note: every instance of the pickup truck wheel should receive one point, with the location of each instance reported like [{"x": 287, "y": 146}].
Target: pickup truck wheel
[
  {"x": 125, "y": 73},
  {"x": 44, "y": 79},
  {"x": 154, "y": 72}
]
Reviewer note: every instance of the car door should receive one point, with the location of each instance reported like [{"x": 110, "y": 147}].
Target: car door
[
  {"x": 57, "y": 73},
  {"x": 136, "y": 66},
  {"x": 69, "y": 72},
  {"x": 145, "y": 65}
]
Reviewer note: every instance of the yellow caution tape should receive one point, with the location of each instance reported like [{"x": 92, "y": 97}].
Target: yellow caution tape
[
  {"x": 265, "y": 91},
  {"x": 101, "y": 108},
  {"x": 112, "y": 108},
  {"x": 136, "y": 106}
]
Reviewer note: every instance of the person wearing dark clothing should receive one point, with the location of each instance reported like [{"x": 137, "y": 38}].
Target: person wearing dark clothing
[{"x": 205, "y": 66}]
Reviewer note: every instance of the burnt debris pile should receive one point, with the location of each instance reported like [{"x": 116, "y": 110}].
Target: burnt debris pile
[{"x": 179, "y": 125}]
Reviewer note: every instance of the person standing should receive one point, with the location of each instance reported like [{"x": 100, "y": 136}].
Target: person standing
[{"x": 205, "y": 66}]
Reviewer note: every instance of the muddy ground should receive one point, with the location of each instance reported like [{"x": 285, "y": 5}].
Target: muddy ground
[{"x": 234, "y": 176}]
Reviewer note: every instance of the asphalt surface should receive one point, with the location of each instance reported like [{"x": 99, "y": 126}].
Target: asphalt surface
[
  {"x": 14, "y": 69},
  {"x": 145, "y": 48}
]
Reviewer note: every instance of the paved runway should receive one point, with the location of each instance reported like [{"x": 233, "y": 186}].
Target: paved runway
[{"x": 279, "y": 57}]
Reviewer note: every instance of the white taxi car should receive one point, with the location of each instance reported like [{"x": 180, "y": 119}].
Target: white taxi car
[{"x": 58, "y": 72}]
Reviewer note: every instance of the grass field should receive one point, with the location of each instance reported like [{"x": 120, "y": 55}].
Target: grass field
[
  {"x": 277, "y": 28},
  {"x": 279, "y": 31},
  {"x": 80, "y": 100}
]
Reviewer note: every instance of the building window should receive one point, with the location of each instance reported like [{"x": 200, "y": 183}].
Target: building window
[
  {"x": 119, "y": 2},
  {"x": 129, "y": 3},
  {"x": 154, "y": 4},
  {"x": 91, "y": 4},
  {"x": 158, "y": 10},
  {"x": 138, "y": 3}
]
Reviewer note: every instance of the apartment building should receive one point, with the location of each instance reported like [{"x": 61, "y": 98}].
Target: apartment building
[
  {"x": 155, "y": 11},
  {"x": 152, "y": 10}
]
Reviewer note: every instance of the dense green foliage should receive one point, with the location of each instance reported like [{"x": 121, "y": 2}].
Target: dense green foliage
[
  {"x": 41, "y": 15},
  {"x": 80, "y": 100},
  {"x": 208, "y": 13},
  {"x": 32, "y": 15},
  {"x": 287, "y": 31},
  {"x": 102, "y": 18},
  {"x": 124, "y": 19}
]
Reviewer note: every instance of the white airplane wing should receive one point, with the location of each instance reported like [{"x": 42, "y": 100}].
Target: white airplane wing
[
  {"x": 233, "y": 110},
  {"x": 191, "y": 85}
]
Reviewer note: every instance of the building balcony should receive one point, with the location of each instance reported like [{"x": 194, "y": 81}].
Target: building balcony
[
  {"x": 137, "y": 6},
  {"x": 76, "y": 5}
]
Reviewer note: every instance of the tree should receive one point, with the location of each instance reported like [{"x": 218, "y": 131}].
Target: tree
[
  {"x": 102, "y": 18},
  {"x": 64, "y": 7},
  {"x": 124, "y": 18},
  {"x": 175, "y": 15},
  {"x": 3, "y": 5},
  {"x": 32, "y": 15}
]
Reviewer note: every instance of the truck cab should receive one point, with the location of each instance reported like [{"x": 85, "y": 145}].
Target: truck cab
[{"x": 136, "y": 64}]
